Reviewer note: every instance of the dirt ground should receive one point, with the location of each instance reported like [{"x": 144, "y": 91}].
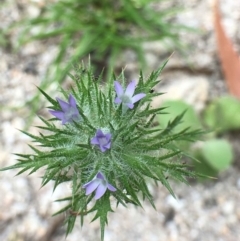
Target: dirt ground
[{"x": 207, "y": 211}]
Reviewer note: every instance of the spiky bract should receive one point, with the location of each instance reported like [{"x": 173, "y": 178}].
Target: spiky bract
[{"x": 139, "y": 151}]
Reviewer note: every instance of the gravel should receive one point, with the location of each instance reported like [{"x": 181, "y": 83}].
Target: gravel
[{"x": 203, "y": 211}]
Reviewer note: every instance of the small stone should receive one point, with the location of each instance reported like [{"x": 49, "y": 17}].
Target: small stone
[{"x": 228, "y": 207}]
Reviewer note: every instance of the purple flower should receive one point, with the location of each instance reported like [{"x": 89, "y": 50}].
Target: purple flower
[
  {"x": 100, "y": 184},
  {"x": 69, "y": 110},
  {"x": 127, "y": 98},
  {"x": 103, "y": 141}
]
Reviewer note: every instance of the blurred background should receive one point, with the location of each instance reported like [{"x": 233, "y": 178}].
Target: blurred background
[{"x": 40, "y": 41}]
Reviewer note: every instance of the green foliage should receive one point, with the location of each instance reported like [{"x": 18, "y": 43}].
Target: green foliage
[
  {"x": 177, "y": 107},
  {"x": 139, "y": 150},
  {"x": 223, "y": 114},
  {"x": 215, "y": 155},
  {"x": 100, "y": 29}
]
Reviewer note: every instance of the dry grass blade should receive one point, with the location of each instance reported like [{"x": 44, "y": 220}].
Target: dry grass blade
[{"x": 229, "y": 57}]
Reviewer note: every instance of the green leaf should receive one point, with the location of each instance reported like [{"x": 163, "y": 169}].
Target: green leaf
[
  {"x": 217, "y": 153},
  {"x": 102, "y": 207},
  {"x": 51, "y": 100},
  {"x": 223, "y": 114},
  {"x": 139, "y": 150},
  {"x": 175, "y": 108}
]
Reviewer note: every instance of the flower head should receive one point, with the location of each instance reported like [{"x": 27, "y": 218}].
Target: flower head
[
  {"x": 127, "y": 98},
  {"x": 100, "y": 184},
  {"x": 69, "y": 110},
  {"x": 103, "y": 141}
]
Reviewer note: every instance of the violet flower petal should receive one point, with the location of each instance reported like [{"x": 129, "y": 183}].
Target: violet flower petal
[
  {"x": 102, "y": 140},
  {"x": 130, "y": 105},
  {"x": 92, "y": 186},
  {"x": 103, "y": 148},
  {"x": 58, "y": 114},
  {"x": 99, "y": 133},
  {"x": 101, "y": 189},
  {"x": 64, "y": 105},
  {"x": 108, "y": 136},
  {"x": 94, "y": 141},
  {"x": 72, "y": 101},
  {"x": 130, "y": 89},
  {"x": 111, "y": 188},
  {"x": 118, "y": 100},
  {"x": 100, "y": 176},
  {"x": 138, "y": 97},
  {"x": 98, "y": 184},
  {"x": 118, "y": 88},
  {"x": 69, "y": 110},
  {"x": 108, "y": 145},
  {"x": 64, "y": 121},
  {"x": 87, "y": 184}
]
